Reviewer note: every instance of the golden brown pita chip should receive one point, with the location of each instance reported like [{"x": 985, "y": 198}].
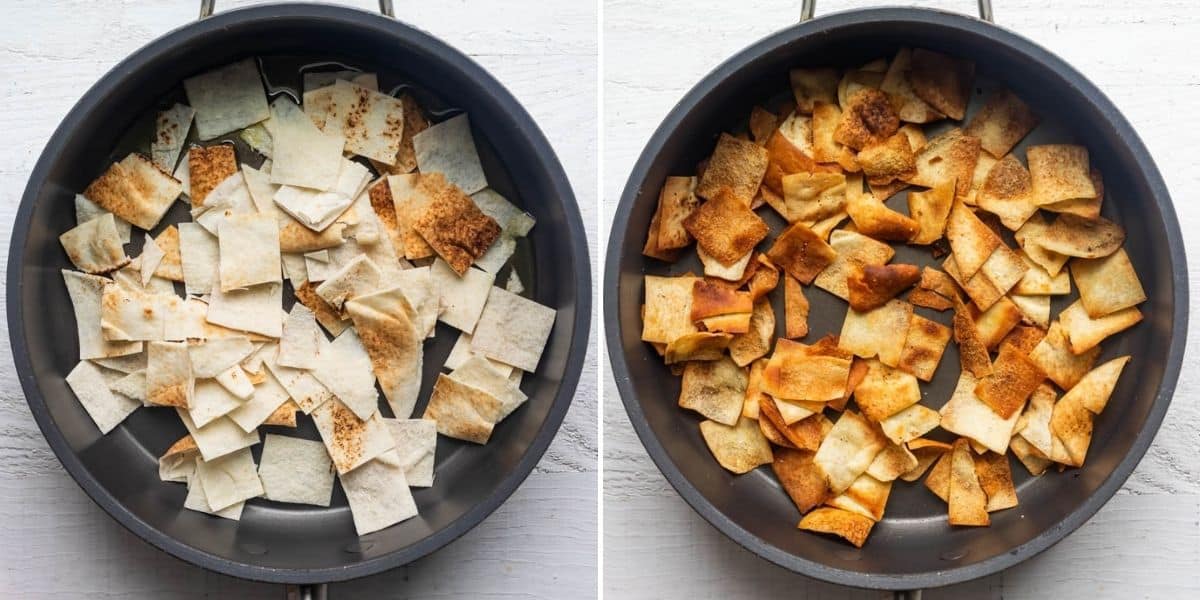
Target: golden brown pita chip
[
  {"x": 1072, "y": 425},
  {"x": 1107, "y": 285},
  {"x": 871, "y": 286},
  {"x": 848, "y": 449},
  {"x": 725, "y": 227},
  {"x": 889, "y": 160},
  {"x": 910, "y": 424},
  {"x": 967, "y": 500},
  {"x": 929, "y": 299},
  {"x": 284, "y": 416},
  {"x": 1088, "y": 208},
  {"x": 995, "y": 478},
  {"x": 697, "y": 346},
  {"x": 978, "y": 288},
  {"x": 852, "y": 527},
  {"x": 923, "y": 347},
  {"x": 995, "y": 323},
  {"x": 970, "y": 239},
  {"x": 795, "y": 308},
  {"x": 1024, "y": 338},
  {"x": 668, "y": 308},
  {"x": 794, "y": 373},
  {"x": 1035, "y": 462},
  {"x": 1060, "y": 172},
  {"x": 1071, "y": 235},
  {"x": 1028, "y": 237},
  {"x": 1004, "y": 268},
  {"x": 456, "y": 229},
  {"x": 737, "y": 165},
  {"x": 1035, "y": 310},
  {"x": 938, "y": 480},
  {"x": 967, "y": 415},
  {"x": 801, "y": 253},
  {"x": 810, "y": 86},
  {"x": 801, "y": 479},
  {"x": 853, "y": 249},
  {"x": 811, "y": 197},
  {"x": 926, "y": 452},
  {"x": 880, "y": 332},
  {"x": 770, "y": 431},
  {"x": 951, "y": 156},
  {"x": 910, "y": 107},
  {"x": 867, "y": 496},
  {"x": 1008, "y": 193},
  {"x": 327, "y": 316},
  {"x": 883, "y": 192},
  {"x": 1053, "y": 355},
  {"x": 763, "y": 124},
  {"x": 856, "y": 80},
  {"x": 207, "y": 167},
  {"x": 806, "y": 433},
  {"x": 711, "y": 300},
  {"x": 885, "y": 391},
  {"x": 1038, "y": 282},
  {"x": 868, "y": 118},
  {"x": 930, "y": 209},
  {"x": 973, "y": 352},
  {"x": 1097, "y": 386},
  {"x": 938, "y": 282},
  {"x": 764, "y": 278},
  {"x": 739, "y": 448},
  {"x": 676, "y": 202},
  {"x": 95, "y": 246},
  {"x": 754, "y": 392},
  {"x": 1012, "y": 379},
  {"x": 754, "y": 344},
  {"x": 135, "y": 191},
  {"x": 1002, "y": 122},
  {"x": 944, "y": 82},
  {"x": 803, "y": 437},
  {"x": 651, "y": 247},
  {"x": 785, "y": 156},
  {"x": 873, "y": 218},
  {"x": 714, "y": 389},
  {"x": 891, "y": 462},
  {"x": 1084, "y": 333},
  {"x": 825, "y": 118}
]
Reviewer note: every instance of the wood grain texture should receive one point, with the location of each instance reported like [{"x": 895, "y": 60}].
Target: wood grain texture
[
  {"x": 55, "y": 543},
  {"x": 1142, "y": 56}
]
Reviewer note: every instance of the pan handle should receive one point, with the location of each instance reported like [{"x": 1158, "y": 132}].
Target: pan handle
[
  {"x": 319, "y": 591},
  {"x": 808, "y": 9},
  {"x": 385, "y": 7},
  {"x": 906, "y": 595}
]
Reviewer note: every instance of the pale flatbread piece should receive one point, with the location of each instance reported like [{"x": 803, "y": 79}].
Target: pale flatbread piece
[
  {"x": 295, "y": 470},
  {"x": 351, "y": 441},
  {"x": 211, "y": 401},
  {"x": 463, "y": 412},
  {"x": 478, "y": 372},
  {"x": 318, "y": 209},
  {"x": 95, "y": 246},
  {"x": 200, "y": 254},
  {"x": 229, "y": 479},
  {"x": 106, "y": 409},
  {"x": 169, "y": 380},
  {"x": 513, "y": 330},
  {"x": 131, "y": 385},
  {"x": 304, "y": 156},
  {"x": 179, "y": 461},
  {"x": 212, "y": 357},
  {"x": 378, "y": 494},
  {"x": 86, "y": 292},
  {"x": 385, "y": 324},
  {"x": 227, "y": 99},
  {"x": 255, "y": 310},
  {"x": 462, "y": 351},
  {"x": 197, "y": 501},
  {"x": 219, "y": 437},
  {"x": 449, "y": 148},
  {"x": 358, "y": 277},
  {"x": 416, "y": 442},
  {"x": 86, "y": 210},
  {"x": 345, "y": 369},
  {"x": 462, "y": 298},
  {"x": 249, "y": 250},
  {"x": 298, "y": 345}
]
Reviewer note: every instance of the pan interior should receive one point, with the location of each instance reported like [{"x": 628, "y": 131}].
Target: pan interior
[
  {"x": 283, "y": 541},
  {"x": 914, "y": 538}
]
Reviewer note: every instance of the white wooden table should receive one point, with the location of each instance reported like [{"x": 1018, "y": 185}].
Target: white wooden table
[
  {"x": 1146, "y": 542},
  {"x": 55, "y": 543}
]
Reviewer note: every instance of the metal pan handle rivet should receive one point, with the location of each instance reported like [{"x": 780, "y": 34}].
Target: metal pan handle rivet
[
  {"x": 808, "y": 9},
  {"x": 307, "y": 592},
  {"x": 386, "y": 8}
]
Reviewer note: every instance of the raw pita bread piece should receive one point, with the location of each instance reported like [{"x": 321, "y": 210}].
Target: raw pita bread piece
[
  {"x": 421, "y": 291},
  {"x": 1107, "y": 285},
  {"x": 942, "y": 81},
  {"x": 238, "y": 382},
  {"x": 258, "y": 138},
  {"x": 1084, "y": 333},
  {"x": 344, "y": 368},
  {"x": 738, "y": 448},
  {"x": 800, "y": 477},
  {"x": 326, "y": 315},
  {"x": 135, "y": 191},
  {"x": 304, "y": 156},
  {"x": 1012, "y": 379},
  {"x": 211, "y": 401},
  {"x": 909, "y": 107},
  {"x": 384, "y": 321},
  {"x": 714, "y": 389},
  {"x": 853, "y": 249},
  {"x": 230, "y": 197},
  {"x": 254, "y": 310},
  {"x": 736, "y": 165},
  {"x": 219, "y": 437},
  {"x": 951, "y": 156},
  {"x": 455, "y": 228},
  {"x": 171, "y": 265},
  {"x": 371, "y": 122},
  {"x": 414, "y": 123},
  {"x": 449, "y": 148},
  {"x": 319, "y": 79},
  {"x": 880, "y": 332},
  {"x": 910, "y": 423},
  {"x": 923, "y": 347},
  {"x": 513, "y": 330},
  {"x": 810, "y": 86},
  {"x": 215, "y": 356},
  {"x": 462, "y": 411},
  {"x": 463, "y": 297},
  {"x": 359, "y": 276},
  {"x": 170, "y": 129},
  {"x": 317, "y": 266},
  {"x": 725, "y": 227},
  {"x": 149, "y": 260},
  {"x": 295, "y": 470},
  {"x": 318, "y": 209},
  {"x": 106, "y": 409},
  {"x": 229, "y": 479},
  {"x": 930, "y": 209},
  {"x": 87, "y": 293},
  {"x": 1060, "y": 172},
  {"x": 197, "y": 501},
  {"x": 378, "y": 494},
  {"x": 132, "y": 385},
  {"x": 95, "y": 246},
  {"x": 129, "y": 315},
  {"x": 966, "y": 415},
  {"x": 227, "y": 98},
  {"x": 852, "y": 527},
  {"x": 179, "y": 461},
  {"x": 351, "y": 441},
  {"x": 261, "y": 190},
  {"x": 208, "y": 166},
  {"x": 868, "y": 118},
  {"x": 86, "y": 210},
  {"x": 1094, "y": 390},
  {"x": 966, "y": 498},
  {"x": 169, "y": 380},
  {"x": 298, "y": 344},
  {"x": 885, "y": 391},
  {"x": 848, "y": 449},
  {"x": 1072, "y": 424},
  {"x": 416, "y": 442},
  {"x": 200, "y": 258},
  {"x": 483, "y": 374},
  {"x": 1002, "y": 122},
  {"x": 249, "y": 251}
]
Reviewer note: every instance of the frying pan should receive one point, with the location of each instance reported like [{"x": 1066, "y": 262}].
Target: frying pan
[
  {"x": 913, "y": 547},
  {"x": 279, "y": 542}
]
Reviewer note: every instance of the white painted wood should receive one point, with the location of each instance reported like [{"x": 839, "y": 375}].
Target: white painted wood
[
  {"x": 1145, "y": 543},
  {"x": 55, "y": 543}
]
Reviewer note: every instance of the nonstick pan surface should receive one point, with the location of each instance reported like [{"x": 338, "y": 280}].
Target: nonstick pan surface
[
  {"x": 913, "y": 547},
  {"x": 280, "y": 542}
]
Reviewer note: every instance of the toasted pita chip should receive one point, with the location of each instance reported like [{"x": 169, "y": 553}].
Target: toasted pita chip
[
  {"x": 852, "y": 527},
  {"x": 1029, "y": 236},
  {"x": 810, "y": 86},
  {"x": 227, "y": 98},
  {"x": 1084, "y": 333},
  {"x": 848, "y": 449},
  {"x": 923, "y": 347},
  {"x": 763, "y": 123},
  {"x": 909, "y": 107},
  {"x": 852, "y": 249},
  {"x": 1107, "y": 285},
  {"x": 1094, "y": 390},
  {"x": 811, "y": 196},
  {"x": 970, "y": 239},
  {"x": 449, "y": 148},
  {"x": 754, "y": 392},
  {"x": 942, "y": 81},
  {"x": 885, "y": 391},
  {"x": 384, "y": 321},
  {"x": 86, "y": 210},
  {"x": 872, "y": 218},
  {"x": 1002, "y": 122},
  {"x": 930, "y": 209},
  {"x": 295, "y": 470},
  {"x": 1034, "y": 309},
  {"x": 880, "y": 332},
  {"x": 867, "y": 496},
  {"x": 378, "y": 494},
  {"x": 996, "y": 322},
  {"x": 1035, "y": 462},
  {"x": 794, "y": 374},
  {"x": 350, "y": 441},
  {"x": 676, "y": 202},
  {"x": 135, "y": 190},
  {"x": 1072, "y": 423},
  {"x": 951, "y": 156},
  {"x": 1053, "y": 355},
  {"x": 1060, "y": 172},
  {"x": 254, "y": 310},
  {"x": 513, "y": 330},
  {"x": 979, "y": 288},
  {"x": 107, "y": 409},
  {"x": 1034, "y": 424},
  {"x": 825, "y": 118},
  {"x": 326, "y": 315},
  {"x": 800, "y": 477},
  {"x": 1087, "y": 208},
  {"x": 1008, "y": 193},
  {"x": 747, "y": 347},
  {"x": 795, "y": 308},
  {"x": 710, "y": 300},
  {"x": 926, "y": 452},
  {"x": 170, "y": 129},
  {"x": 668, "y": 308},
  {"x": 968, "y": 416},
  {"x": 967, "y": 500},
  {"x": 491, "y": 378},
  {"x": 891, "y": 462},
  {"x": 929, "y": 299},
  {"x": 871, "y": 286},
  {"x": 738, "y": 448},
  {"x": 714, "y": 268},
  {"x": 737, "y": 165},
  {"x": 1038, "y": 282},
  {"x": 938, "y": 480},
  {"x": 888, "y": 160},
  {"x": 725, "y": 228},
  {"x": 456, "y": 229},
  {"x": 1071, "y": 235},
  {"x": 208, "y": 166},
  {"x": 95, "y": 246},
  {"x": 801, "y": 253},
  {"x": 910, "y": 424},
  {"x": 867, "y": 118},
  {"x": 1012, "y": 379},
  {"x": 715, "y": 389}
]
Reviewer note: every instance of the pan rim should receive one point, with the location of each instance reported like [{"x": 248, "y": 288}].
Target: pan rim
[
  {"x": 526, "y": 127},
  {"x": 821, "y": 571}
]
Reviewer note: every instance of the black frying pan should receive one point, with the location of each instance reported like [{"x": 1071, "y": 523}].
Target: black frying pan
[
  {"x": 913, "y": 547},
  {"x": 279, "y": 542}
]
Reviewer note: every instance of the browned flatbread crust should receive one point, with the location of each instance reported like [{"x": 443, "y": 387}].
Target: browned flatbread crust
[
  {"x": 725, "y": 227},
  {"x": 207, "y": 167},
  {"x": 456, "y": 229},
  {"x": 869, "y": 118}
]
